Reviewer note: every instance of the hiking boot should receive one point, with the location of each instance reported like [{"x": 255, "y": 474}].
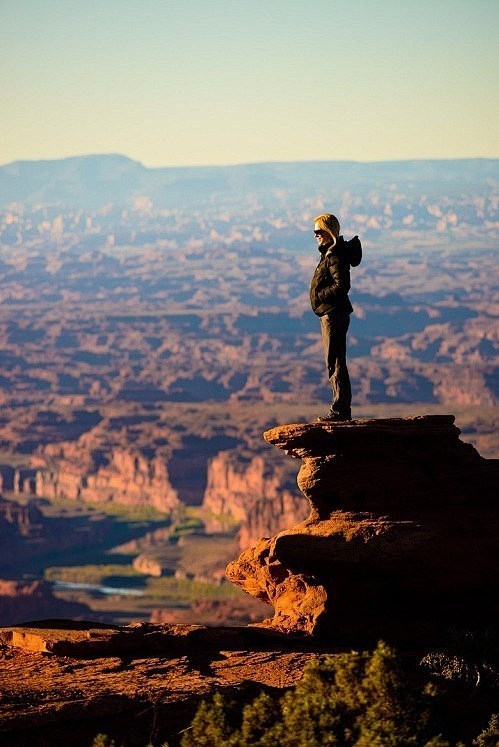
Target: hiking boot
[{"x": 333, "y": 417}]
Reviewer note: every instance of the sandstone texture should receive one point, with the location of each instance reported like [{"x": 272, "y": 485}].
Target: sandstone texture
[
  {"x": 69, "y": 681},
  {"x": 401, "y": 540},
  {"x": 81, "y": 471}
]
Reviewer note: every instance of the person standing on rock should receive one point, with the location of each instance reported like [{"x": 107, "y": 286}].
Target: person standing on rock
[{"x": 329, "y": 300}]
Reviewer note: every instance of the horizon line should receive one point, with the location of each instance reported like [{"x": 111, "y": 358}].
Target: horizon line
[{"x": 248, "y": 163}]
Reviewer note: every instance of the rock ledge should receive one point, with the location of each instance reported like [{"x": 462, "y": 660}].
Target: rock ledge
[{"x": 401, "y": 537}]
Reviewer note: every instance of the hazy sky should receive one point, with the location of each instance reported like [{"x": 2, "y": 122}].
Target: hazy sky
[{"x": 171, "y": 82}]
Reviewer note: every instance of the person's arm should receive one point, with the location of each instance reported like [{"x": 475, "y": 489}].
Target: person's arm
[{"x": 338, "y": 286}]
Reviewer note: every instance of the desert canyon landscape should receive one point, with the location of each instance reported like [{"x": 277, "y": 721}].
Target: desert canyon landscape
[{"x": 154, "y": 323}]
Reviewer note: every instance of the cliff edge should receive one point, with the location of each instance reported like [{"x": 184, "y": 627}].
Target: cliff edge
[{"x": 401, "y": 538}]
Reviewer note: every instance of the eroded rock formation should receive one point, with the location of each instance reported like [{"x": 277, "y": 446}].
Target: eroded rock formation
[
  {"x": 80, "y": 471},
  {"x": 255, "y": 492},
  {"x": 401, "y": 538}
]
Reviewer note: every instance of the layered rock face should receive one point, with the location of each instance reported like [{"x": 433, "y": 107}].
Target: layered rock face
[
  {"x": 401, "y": 539},
  {"x": 75, "y": 472},
  {"x": 253, "y": 492},
  {"x": 63, "y": 682}
]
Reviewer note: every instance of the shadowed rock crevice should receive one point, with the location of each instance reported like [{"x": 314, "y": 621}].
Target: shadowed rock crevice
[{"x": 400, "y": 540}]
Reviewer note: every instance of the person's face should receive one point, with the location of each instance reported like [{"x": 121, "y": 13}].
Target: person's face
[{"x": 322, "y": 237}]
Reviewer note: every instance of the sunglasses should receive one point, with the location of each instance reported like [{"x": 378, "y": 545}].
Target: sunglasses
[{"x": 319, "y": 233}]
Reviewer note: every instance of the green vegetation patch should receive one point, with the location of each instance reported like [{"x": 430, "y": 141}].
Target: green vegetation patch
[
  {"x": 356, "y": 699},
  {"x": 169, "y": 589},
  {"x": 129, "y": 513},
  {"x": 183, "y": 590},
  {"x": 120, "y": 512},
  {"x": 186, "y": 525},
  {"x": 348, "y": 700},
  {"x": 90, "y": 574}
]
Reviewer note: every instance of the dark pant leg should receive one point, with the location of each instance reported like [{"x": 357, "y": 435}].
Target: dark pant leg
[{"x": 334, "y": 327}]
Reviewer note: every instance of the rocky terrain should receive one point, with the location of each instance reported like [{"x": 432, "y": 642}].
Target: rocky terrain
[
  {"x": 72, "y": 681},
  {"x": 81, "y": 471},
  {"x": 400, "y": 541},
  {"x": 28, "y": 532},
  {"x": 64, "y": 682},
  {"x": 215, "y": 612},
  {"x": 399, "y": 544},
  {"x": 255, "y": 492},
  {"x": 152, "y": 325}
]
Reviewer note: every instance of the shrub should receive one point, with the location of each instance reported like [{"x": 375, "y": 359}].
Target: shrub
[
  {"x": 347, "y": 700},
  {"x": 102, "y": 740},
  {"x": 489, "y": 736}
]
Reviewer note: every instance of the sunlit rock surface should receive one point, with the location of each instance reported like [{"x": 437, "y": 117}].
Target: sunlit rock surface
[
  {"x": 78, "y": 471},
  {"x": 65, "y": 682},
  {"x": 401, "y": 540}
]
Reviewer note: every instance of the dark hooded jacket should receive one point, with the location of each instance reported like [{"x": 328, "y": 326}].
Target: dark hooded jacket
[{"x": 331, "y": 280}]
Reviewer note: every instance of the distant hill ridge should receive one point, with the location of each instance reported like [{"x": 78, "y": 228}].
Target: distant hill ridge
[{"x": 93, "y": 180}]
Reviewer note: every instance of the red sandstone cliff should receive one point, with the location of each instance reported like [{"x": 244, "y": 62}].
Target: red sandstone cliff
[
  {"x": 254, "y": 491},
  {"x": 76, "y": 471},
  {"x": 400, "y": 542}
]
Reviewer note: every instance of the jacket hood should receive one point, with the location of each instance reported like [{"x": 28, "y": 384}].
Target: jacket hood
[{"x": 351, "y": 250}]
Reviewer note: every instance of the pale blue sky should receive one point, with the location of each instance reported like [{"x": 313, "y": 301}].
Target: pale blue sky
[{"x": 214, "y": 82}]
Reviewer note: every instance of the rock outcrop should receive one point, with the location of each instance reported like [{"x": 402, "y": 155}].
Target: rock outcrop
[
  {"x": 19, "y": 520},
  {"x": 401, "y": 540}
]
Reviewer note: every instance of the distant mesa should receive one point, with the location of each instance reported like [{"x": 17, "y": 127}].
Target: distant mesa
[
  {"x": 93, "y": 180},
  {"x": 401, "y": 538}
]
